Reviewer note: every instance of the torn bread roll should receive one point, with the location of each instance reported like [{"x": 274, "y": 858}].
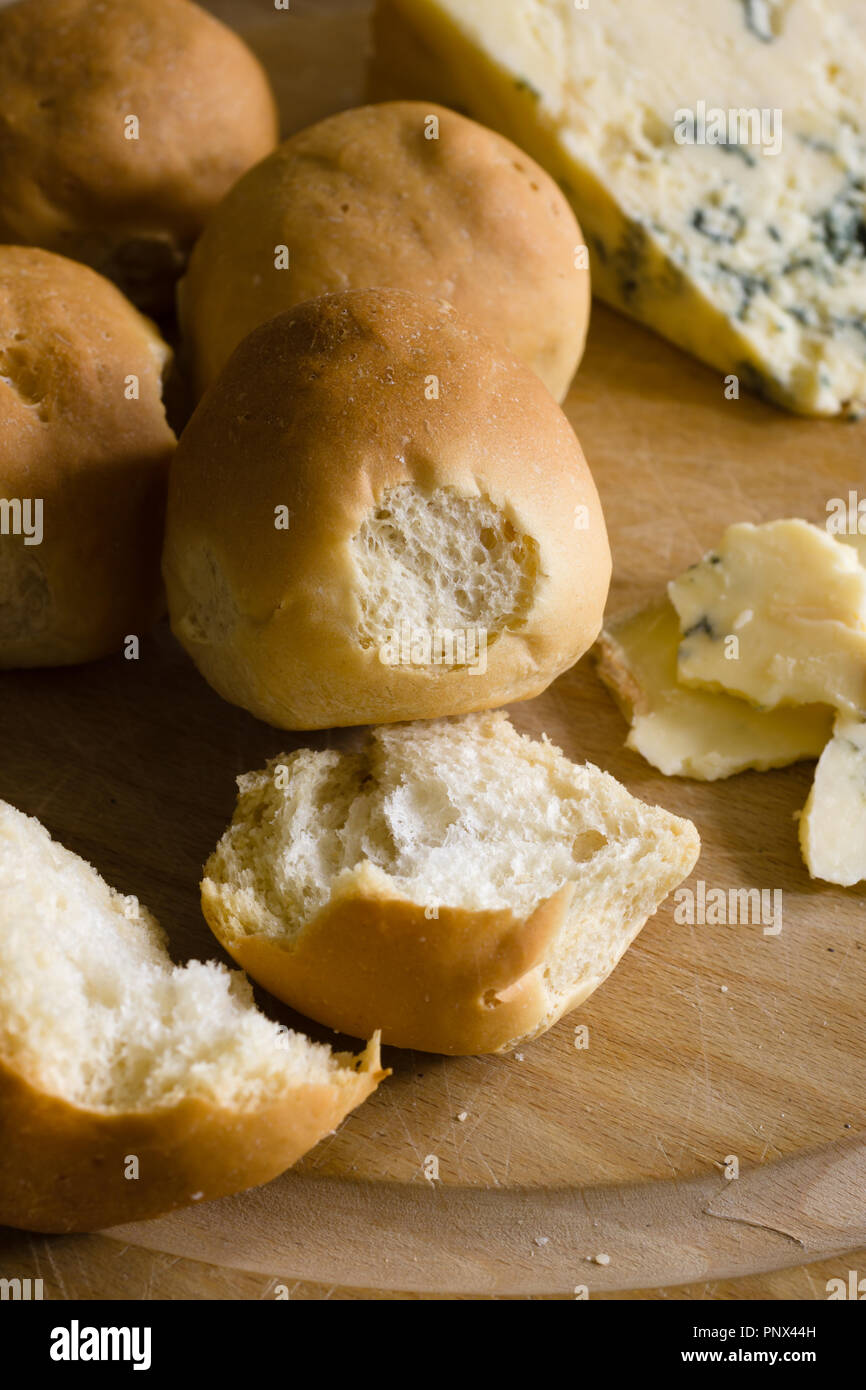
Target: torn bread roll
[
  {"x": 378, "y": 514},
  {"x": 121, "y": 128},
  {"x": 453, "y": 883},
  {"x": 84, "y": 455},
  {"x": 130, "y": 1086},
  {"x": 406, "y": 194}
]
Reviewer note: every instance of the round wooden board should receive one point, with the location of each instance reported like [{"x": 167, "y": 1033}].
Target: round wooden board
[{"x": 707, "y": 1042}]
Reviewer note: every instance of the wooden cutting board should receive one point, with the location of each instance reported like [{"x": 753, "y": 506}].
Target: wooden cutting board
[{"x": 707, "y": 1042}]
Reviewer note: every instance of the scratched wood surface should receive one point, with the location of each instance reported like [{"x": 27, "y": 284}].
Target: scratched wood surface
[{"x": 708, "y": 1041}]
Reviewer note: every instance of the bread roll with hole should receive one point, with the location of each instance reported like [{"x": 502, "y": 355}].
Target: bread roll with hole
[
  {"x": 458, "y": 884},
  {"x": 72, "y": 74},
  {"x": 366, "y": 199},
  {"x": 378, "y": 514},
  {"x": 109, "y": 1052},
  {"x": 76, "y": 439}
]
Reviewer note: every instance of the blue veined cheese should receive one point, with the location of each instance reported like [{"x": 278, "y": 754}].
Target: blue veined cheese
[
  {"x": 753, "y": 261},
  {"x": 686, "y": 732},
  {"x": 776, "y": 614},
  {"x": 833, "y": 823}
]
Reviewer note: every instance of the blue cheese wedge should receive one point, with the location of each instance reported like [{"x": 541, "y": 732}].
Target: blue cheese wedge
[
  {"x": 776, "y": 615},
  {"x": 715, "y": 154},
  {"x": 686, "y": 732},
  {"x": 833, "y": 824}
]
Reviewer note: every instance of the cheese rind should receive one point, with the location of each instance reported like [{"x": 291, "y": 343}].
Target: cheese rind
[
  {"x": 686, "y": 732},
  {"x": 753, "y": 261},
  {"x": 777, "y": 615},
  {"x": 833, "y": 823}
]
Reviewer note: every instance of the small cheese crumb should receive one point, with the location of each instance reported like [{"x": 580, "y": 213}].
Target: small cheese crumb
[
  {"x": 600, "y": 1259},
  {"x": 724, "y": 989},
  {"x": 542, "y": 1240},
  {"x": 518, "y": 1056},
  {"x": 464, "y": 1115}
]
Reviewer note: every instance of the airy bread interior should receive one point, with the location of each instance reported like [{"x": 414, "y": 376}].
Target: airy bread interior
[
  {"x": 93, "y": 1010},
  {"x": 436, "y": 559},
  {"x": 462, "y": 813}
]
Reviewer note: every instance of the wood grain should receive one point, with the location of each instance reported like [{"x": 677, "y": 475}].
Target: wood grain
[
  {"x": 706, "y": 1042},
  {"x": 97, "y": 1267}
]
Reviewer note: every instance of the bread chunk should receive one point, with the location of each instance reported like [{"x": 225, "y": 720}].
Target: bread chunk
[
  {"x": 458, "y": 884},
  {"x": 109, "y": 1053}
]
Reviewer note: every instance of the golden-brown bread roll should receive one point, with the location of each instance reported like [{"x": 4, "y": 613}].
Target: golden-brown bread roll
[
  {"x": 378, "y": 514},
  {"x": 72, "y": 75},
  {"x": 365, "y": 199},
  {"x": 84, "y": 454}
]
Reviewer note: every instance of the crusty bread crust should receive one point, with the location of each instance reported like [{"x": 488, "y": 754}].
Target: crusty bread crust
[
  {"x": 62, "y": 1165},
  {"x": 464, "y": 984},
  {"x": 321, "y": 411},
  {"x": 70, "y": 75},
  {"x": 460, "y": 983},
  {"x": 97, "y": 459},
  {"x": 365, "y": 198}
]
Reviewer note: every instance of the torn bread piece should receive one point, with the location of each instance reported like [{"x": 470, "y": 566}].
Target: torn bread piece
[
  {"x": 459, "y": 884},
  {"x": 833, "y": 822},
  {"x": 775, "y": 614},
  {"x": 688, "y": 732},
  {"x": 130, "y": 1086}
]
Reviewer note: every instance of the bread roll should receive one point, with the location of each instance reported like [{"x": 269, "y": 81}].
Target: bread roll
[
  {"x": 130, "y": 1086},
  {"x": 84, "y": 453},
  {"x": 458, "y": 885},
  {"x": 366, "y": 199},
  {"x": 121, "y": 127},
  {"x": 378, "y": 514}
]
